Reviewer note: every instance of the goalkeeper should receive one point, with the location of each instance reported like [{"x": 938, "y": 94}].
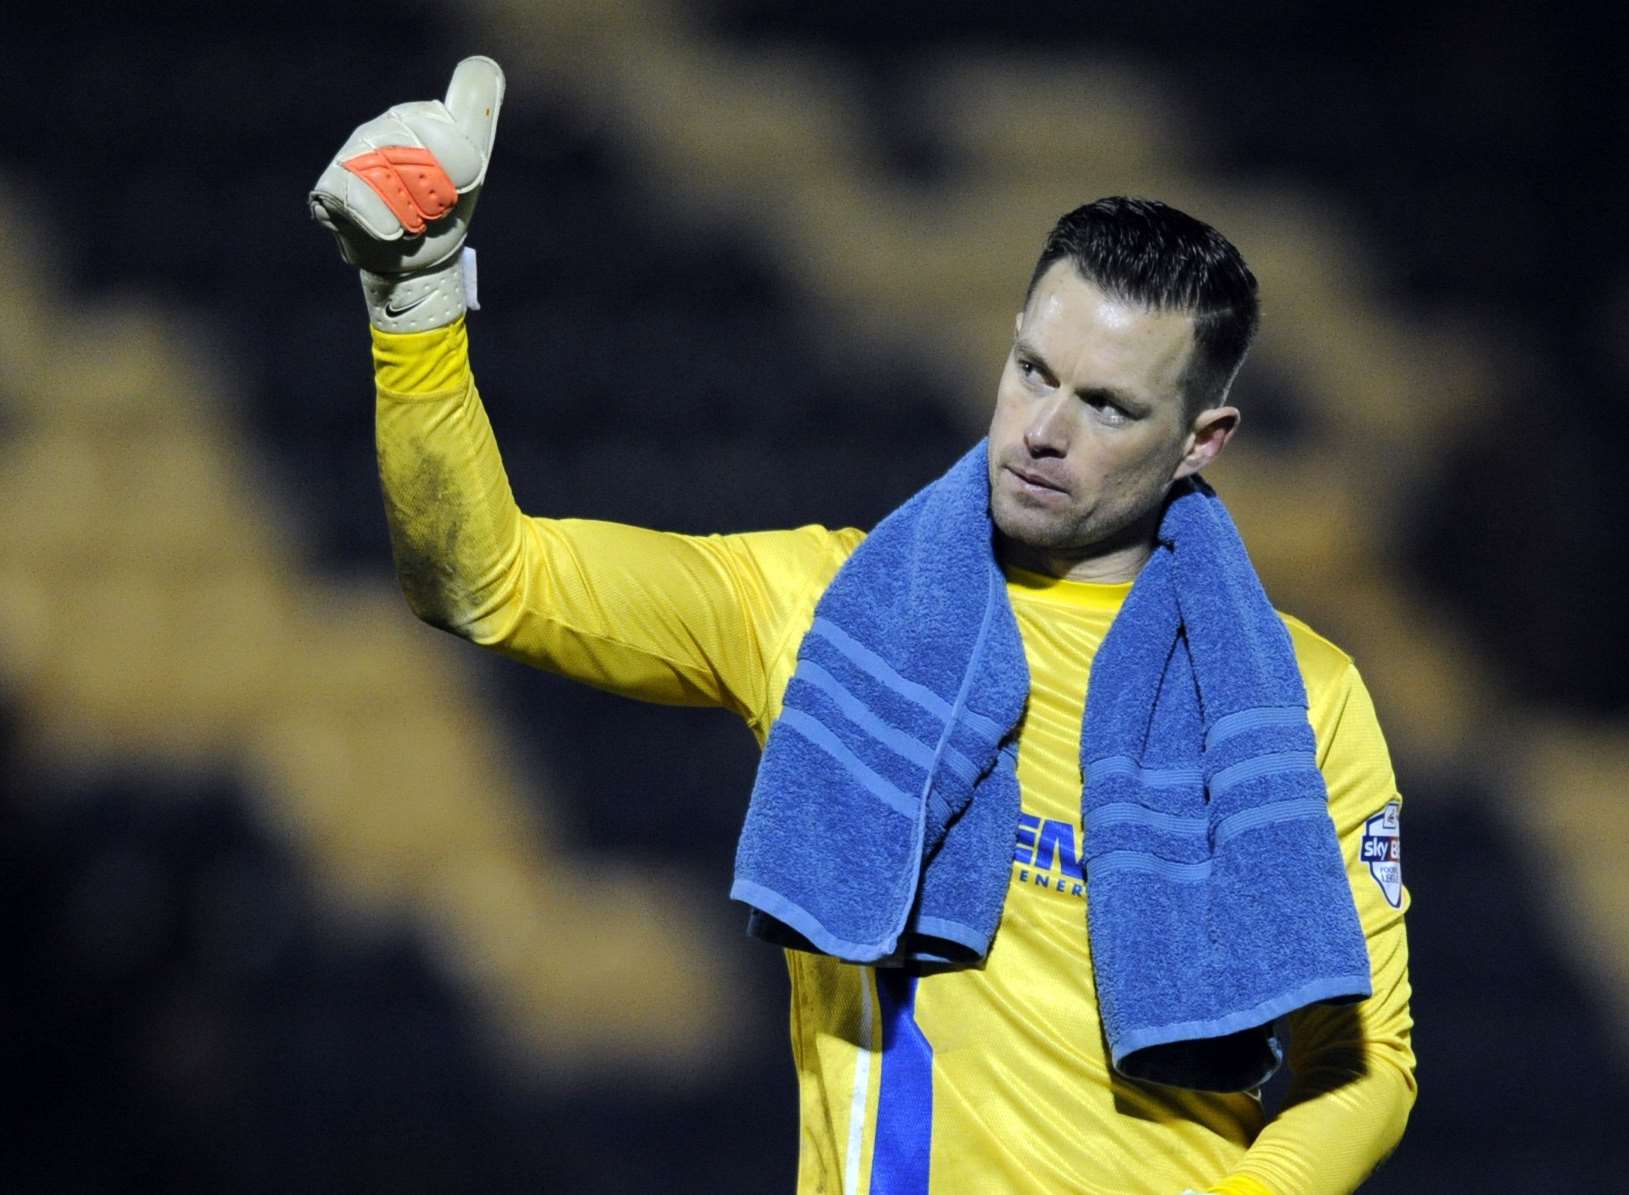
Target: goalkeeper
[{"x": 1005, "y": 1075}]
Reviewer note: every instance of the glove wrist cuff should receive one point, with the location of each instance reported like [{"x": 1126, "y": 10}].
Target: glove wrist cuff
[{"x": 422, "y": 301}]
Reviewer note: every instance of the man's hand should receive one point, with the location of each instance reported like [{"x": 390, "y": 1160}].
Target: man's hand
[{"x": 399, "y": 195}]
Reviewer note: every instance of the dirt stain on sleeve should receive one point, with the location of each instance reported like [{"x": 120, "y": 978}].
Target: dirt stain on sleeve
[{"x": 426, "y": 526}]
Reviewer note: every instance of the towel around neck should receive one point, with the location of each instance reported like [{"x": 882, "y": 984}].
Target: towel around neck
[{"x": 882, "y": 823}]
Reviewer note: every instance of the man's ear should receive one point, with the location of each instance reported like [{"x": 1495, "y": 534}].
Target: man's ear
[{"x": 1212, "y": 429}]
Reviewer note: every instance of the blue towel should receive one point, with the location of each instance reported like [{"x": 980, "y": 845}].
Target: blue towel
[
  {"x": 862, "y": 838},
  {"x": 1217, "y": 898},
  {"x": 882, "y": 822}
]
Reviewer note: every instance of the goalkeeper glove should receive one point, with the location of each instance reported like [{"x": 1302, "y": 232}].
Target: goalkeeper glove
[{"x": 399, "y": 195}]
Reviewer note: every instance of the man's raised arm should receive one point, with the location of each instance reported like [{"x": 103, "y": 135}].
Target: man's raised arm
[{"x": 672, "y": 618}]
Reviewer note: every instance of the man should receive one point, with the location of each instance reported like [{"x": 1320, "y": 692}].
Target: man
[{"x": 961, "y": 1061}]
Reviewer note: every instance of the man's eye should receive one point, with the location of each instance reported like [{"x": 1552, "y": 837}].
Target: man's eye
[{"x": 1109, "y": 412}]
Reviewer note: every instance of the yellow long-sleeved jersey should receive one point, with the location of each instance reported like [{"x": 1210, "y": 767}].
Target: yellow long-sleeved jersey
[{"x": 1016, "y": 1093}]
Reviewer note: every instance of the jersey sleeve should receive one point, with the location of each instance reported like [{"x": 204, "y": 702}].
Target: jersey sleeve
[
  {"x": 685, "y": 620},
  {"x": 1353, "y": 1066},
  {"x": 678, "y": 619}
]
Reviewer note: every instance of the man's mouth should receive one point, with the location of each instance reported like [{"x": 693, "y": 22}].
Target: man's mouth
[{"x": 1036, "y": 482}]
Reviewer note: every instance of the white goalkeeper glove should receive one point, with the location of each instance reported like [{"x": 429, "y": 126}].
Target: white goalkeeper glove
[{"x": 399, "y": 195}]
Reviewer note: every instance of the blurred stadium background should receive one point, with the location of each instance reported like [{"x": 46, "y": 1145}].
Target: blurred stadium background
[{"x": 306, "y": 896}]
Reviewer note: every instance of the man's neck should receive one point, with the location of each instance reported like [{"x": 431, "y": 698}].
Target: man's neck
[{"x": 1122, "y": 564}]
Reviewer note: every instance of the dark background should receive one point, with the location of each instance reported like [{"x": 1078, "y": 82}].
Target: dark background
[{"x": 171, "y": 1029}]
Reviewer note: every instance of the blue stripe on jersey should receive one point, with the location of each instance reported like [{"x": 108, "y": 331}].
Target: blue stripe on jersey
[{"x": 899, "y": 1156}]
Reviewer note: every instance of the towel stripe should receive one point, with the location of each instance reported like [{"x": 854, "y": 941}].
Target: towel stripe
[
  {"x": 816, "y": 733},
  {"x": 1229, "y": 827},
  {"x": 1253, "y": 719},
  {"x": 1122, "y": 813},
  {"x": 1165, "y": 869},
  {"x": 1267, "y": 815},
  {"x": 867, "y": 719},
  {"x": 1124, "y": 765},
  {"x": 901, "y": 1150},
  {"x": 857, "y": 712},
  {"x": 1261, "y": 765},
  {"x": 881, "y": 671}
]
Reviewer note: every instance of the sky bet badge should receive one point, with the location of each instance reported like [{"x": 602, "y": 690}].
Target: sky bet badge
[{"x": 1383, "y": 852}]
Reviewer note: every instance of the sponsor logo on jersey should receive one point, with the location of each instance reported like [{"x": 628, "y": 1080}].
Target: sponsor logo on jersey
[
  {"x": 1048, "y": 855},
  {"x": 1383, "y": 852}
]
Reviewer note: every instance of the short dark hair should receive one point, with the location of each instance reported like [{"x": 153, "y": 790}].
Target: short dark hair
[{"x": 1144, "y": 251}]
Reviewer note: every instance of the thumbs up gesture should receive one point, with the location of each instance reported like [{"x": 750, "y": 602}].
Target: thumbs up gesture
[{"x": 399, "y": 195}]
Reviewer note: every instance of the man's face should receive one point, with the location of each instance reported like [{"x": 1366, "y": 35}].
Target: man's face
[{"x": 1090, "y": 426}]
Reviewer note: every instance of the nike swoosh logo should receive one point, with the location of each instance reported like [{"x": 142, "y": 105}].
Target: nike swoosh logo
[{"x": 395, "y": 312}]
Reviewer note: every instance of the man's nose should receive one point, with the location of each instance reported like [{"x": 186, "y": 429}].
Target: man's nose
[{"x": 1048, "y": 431}]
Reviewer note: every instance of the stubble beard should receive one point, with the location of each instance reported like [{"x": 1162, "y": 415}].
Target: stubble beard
[
  {"x": 1040, "y": 530},
  {"x": 1044, "y": 542},
  {"x": 1036, "y": 537}
]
